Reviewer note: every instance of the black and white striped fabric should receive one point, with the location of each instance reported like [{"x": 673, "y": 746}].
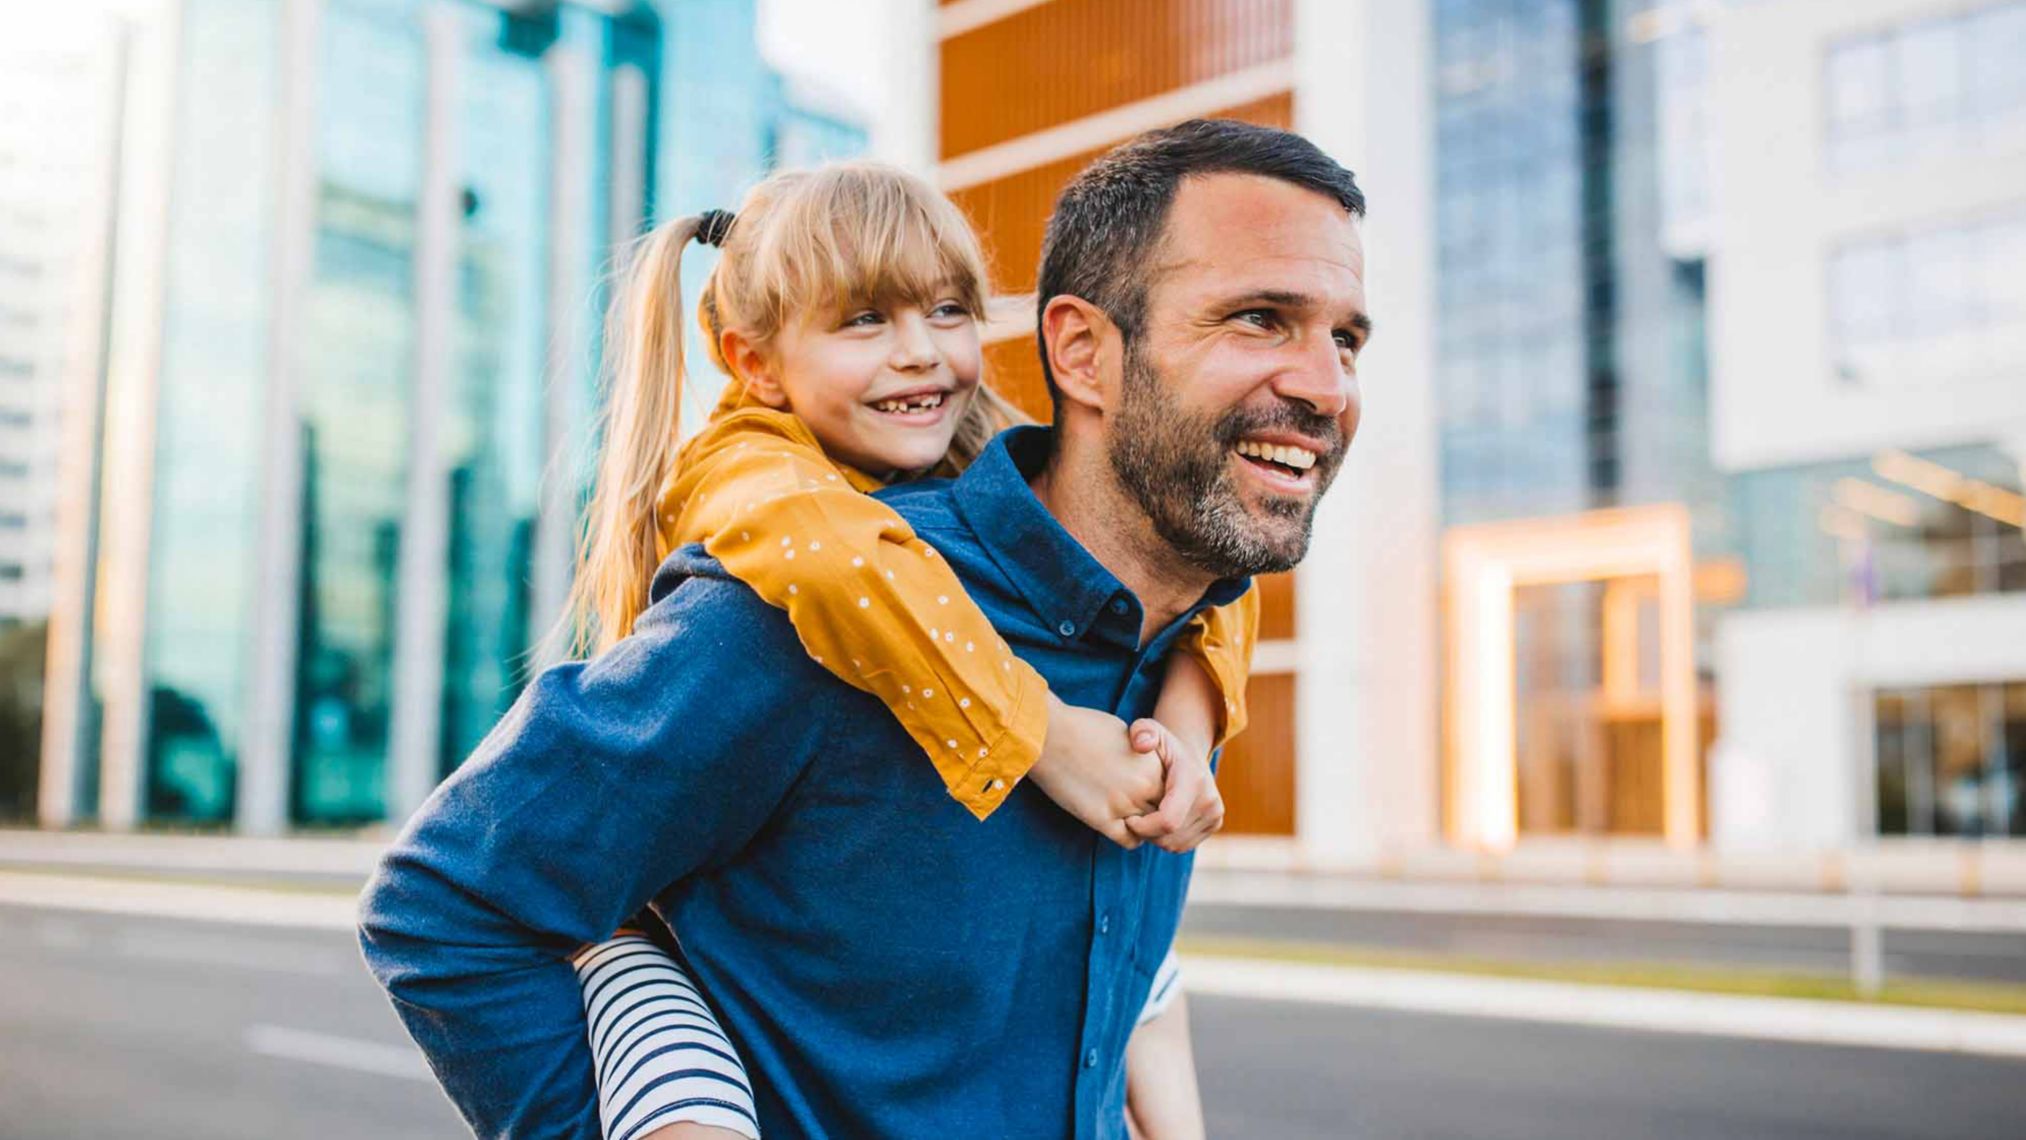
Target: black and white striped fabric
[
  {"x": 661, "y": 1056},
  {"x": 1167, "y": 983}
]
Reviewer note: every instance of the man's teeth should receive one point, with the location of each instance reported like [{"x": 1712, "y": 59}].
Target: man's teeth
[
  {"x": 912, "y": 403},
  {"x": 1299, "y": 458}
]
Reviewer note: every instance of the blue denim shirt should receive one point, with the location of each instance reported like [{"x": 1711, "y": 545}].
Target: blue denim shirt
[{"x": 888, "y": 965}]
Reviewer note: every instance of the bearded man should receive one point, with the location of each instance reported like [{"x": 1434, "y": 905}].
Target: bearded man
[{"x": 887, "y": 965}]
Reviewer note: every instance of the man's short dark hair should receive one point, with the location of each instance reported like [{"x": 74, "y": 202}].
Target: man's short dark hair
[{"x": 1109, "y": 220}]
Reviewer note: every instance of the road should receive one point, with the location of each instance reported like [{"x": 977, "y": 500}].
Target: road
[{"x": 113, "y": 1026}]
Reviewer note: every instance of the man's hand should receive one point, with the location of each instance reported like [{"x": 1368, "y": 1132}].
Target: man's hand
[
  {"x": 1089, "y": 767},
  {"x": 1192, "y": 809}
]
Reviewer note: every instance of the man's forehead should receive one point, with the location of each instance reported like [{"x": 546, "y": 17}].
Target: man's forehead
[{"x": 1240, "y": 225}]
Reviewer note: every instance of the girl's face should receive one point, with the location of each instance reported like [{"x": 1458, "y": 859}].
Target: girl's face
[{"x": 882, "y": 388}]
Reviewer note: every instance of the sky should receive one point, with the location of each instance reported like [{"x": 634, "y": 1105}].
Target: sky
[{"x": 839, "y": 44}]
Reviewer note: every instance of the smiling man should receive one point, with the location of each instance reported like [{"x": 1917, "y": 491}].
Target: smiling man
[{"x": 887, "y": 965}]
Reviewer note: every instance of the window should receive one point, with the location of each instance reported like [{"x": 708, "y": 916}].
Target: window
[
  {"x": 1878, "y": 530},
  {"x": 1951, "y": 759},
  {"x": 1948, "y": 85},
  {"x": 1934, "y": 304}
]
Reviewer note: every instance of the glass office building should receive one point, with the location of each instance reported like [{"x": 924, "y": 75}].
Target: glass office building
[
  {"x": 348, "y": 446},
  {"x": 1570, "y": 369}
]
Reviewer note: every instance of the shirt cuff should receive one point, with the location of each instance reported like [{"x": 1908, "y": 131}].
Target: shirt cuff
[{"x": 1004, "y": 762}]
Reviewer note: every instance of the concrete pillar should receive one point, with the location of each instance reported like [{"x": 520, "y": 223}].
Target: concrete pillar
[{"x": 1366, "y": 718}]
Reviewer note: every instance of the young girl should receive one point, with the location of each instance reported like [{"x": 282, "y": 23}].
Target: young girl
[{"x": 845, "y": 310}]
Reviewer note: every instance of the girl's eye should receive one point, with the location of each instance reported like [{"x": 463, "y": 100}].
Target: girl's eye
[
  {"x": 951, "y": 309},
  {"x": 860, "y": 320}
]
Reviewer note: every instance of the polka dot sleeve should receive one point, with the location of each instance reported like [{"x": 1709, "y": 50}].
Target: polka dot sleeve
[
  {"x": 871, "y": 602},
  {"x": 1222, "y": 639}
]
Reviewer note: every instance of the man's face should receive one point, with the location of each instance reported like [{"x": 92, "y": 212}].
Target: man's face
[{"x": 1240, "y": 395}]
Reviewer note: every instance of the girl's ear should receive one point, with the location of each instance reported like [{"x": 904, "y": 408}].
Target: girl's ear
[
  {"x": 1083, "y": 351},
  {"x": 753, "y": 368}
]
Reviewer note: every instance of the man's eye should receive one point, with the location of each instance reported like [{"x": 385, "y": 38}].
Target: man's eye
[
  {"x": 1347, "y": 341},
  {"x": 1259, "y": 318}
]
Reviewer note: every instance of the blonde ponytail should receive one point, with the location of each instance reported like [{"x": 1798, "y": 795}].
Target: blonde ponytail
[
  {"x": 639, "y": 441},
  {"x": 804, "y": 242}
]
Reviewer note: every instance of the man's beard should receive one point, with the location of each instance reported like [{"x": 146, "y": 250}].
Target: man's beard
[{"x": 1177, "y": 468}]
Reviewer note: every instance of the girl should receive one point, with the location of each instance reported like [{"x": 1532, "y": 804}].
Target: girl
[{"x": 845, "y": 310}]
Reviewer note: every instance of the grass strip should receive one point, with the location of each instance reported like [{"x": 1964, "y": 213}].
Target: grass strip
[{"x": 1929, "y": 993}]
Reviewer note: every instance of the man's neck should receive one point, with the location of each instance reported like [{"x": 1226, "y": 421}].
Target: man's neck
[{"x": 1089, "y": 503}]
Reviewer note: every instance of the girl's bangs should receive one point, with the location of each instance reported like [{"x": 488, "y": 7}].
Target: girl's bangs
[{"x": 868, "y": 239}]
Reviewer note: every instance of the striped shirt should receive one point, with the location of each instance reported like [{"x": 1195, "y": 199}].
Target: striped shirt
[{"x": 662, "y": 1057}]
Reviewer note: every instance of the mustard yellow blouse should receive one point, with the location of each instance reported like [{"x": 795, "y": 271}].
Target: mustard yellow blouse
[{"x": 877, "y": 607}]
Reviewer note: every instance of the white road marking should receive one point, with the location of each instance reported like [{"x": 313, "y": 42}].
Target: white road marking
[
  {"x": 1617, "y": 1007},
  {"x": 353, "y": 1053}
]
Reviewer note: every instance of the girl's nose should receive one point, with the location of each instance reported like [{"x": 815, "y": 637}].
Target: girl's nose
[{"x": 913, "y": 348}]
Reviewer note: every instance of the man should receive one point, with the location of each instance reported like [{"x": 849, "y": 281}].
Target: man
[{"x": 888, "y": 966}]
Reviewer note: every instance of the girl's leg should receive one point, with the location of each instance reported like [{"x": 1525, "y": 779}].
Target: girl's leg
[{"x": 661, "y": 1057}]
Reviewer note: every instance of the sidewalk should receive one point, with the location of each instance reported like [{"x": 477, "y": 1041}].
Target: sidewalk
[{"x": 1222, "y": 879}]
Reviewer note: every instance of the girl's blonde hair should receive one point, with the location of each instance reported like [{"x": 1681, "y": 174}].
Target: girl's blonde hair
[{"x": 818, "y": 241}]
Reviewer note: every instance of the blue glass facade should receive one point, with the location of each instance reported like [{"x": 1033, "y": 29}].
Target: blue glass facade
[
  {"x": 396, "y": 84},
  {"x": 1571, "y": 365},
  {"x": 212, "y": 379},
  {"x": 1570, "y": 342}
]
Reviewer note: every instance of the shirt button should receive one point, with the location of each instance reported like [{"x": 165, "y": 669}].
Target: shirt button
[
  {"x": 1118, "y": 605},
  {"x": 1066, "y": 629},
  {"x": 1090, "y": 1059},
  {"x": 1104, "y": 924}
]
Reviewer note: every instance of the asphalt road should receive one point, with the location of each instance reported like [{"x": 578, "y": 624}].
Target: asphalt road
[{"x": 116, "y": 1026}]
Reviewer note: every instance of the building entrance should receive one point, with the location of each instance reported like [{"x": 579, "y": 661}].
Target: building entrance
[{"x": 1572, "y": 704}]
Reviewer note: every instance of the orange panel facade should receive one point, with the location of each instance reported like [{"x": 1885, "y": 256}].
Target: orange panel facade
[
  {"x": 1011, "y": 213},
  {"x": 1064, "y": 60},
  {"x": 1061, "y": 61},
  {"x": 1256, "y": 774}
]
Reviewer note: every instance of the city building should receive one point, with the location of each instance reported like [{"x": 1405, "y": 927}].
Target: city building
[
  {"x": 1685, "y": 511},
  {"x": 362, "y": 248},
  {"x": 1340, "y": 758},
  {"x": 58, "y": 118},
  {"x": 1867, "y": 343}
]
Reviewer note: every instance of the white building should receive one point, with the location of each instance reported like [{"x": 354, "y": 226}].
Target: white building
[
  {"x": 1868, "y": 365},
  {"x": 59, "y": 95}
]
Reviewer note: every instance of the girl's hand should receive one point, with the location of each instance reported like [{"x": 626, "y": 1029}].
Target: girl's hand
[
  {"x": 1192, "y": 809},
  {"x": 1090, "y": 768}
]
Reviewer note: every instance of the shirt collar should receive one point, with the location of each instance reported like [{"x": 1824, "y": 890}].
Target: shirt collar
[{"x": 1060, "y": 579}]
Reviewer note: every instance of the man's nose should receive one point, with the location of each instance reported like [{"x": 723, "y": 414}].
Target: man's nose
[
  {"x": 1317, "y": 377},
  {"x": 913, "y": 348}
]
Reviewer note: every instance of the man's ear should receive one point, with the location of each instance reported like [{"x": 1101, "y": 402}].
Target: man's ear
[
  {"x": 1082, "y": 348},
  {"x": 753, "y": 368}
]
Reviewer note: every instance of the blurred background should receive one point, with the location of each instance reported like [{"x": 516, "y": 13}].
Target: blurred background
[{"x": 1677, "y": 567}]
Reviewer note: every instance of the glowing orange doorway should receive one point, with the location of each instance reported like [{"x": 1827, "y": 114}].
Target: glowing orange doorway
[{"x": 1483, "y": 565}]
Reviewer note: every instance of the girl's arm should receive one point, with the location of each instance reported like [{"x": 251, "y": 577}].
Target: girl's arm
[
  {"x": 1202, "y": 706},
  {"x": 877, "y": 607},
  {"x": 665, "y": 1069}
]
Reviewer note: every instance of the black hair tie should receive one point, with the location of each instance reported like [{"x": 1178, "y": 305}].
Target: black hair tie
[{"x": 713, "y": 225}]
